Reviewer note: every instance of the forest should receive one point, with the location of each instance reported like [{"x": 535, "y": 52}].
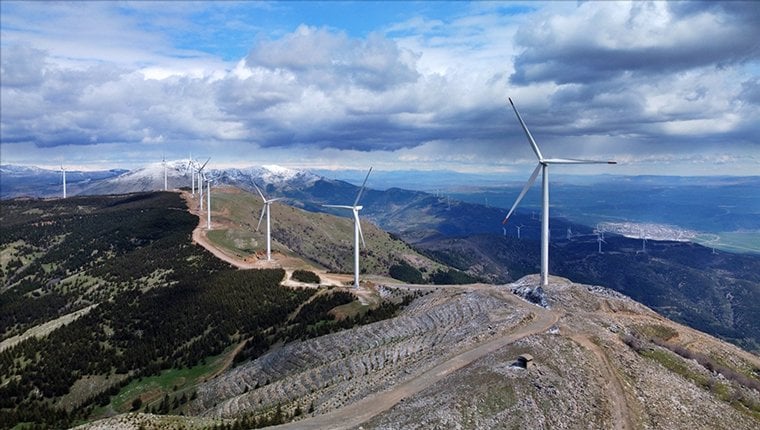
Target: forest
[{"x": 162, "y": 303}]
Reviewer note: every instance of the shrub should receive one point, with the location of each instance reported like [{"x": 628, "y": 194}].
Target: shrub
[
  {"x": 403, "y": 271},
  {"x": 305, "y": 276}
]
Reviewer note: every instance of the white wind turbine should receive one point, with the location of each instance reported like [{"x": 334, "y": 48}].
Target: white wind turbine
[
  {"x": 357, "y": 227},
  {"x": 519, "y": 227},
  {"x": 543, "y": 167},
  {"x": 63, "y": 170},
  {"x": 599, "y": 238},
  {"x": 163, "y": 162},
  {"x": 191, "y": 167},
  {"x": 201, "y": 177},
  {"x": 265, "y": 208},
  {"x": 208, "y": 205}
]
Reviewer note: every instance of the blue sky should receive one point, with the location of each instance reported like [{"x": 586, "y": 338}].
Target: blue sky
[{"x": 664, "y": 88}]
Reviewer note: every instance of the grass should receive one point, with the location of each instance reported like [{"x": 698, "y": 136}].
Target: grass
[
  {"x": 349, "y": 310},
  {"x": 153, "y": 388},
  {"x": 719, "y": 389},
  {"x": 675, "y": 364},
  {"x": 323, "y": 238},
  {"x": 654, "y": 331},
  {"x": 238, "y": 242}
]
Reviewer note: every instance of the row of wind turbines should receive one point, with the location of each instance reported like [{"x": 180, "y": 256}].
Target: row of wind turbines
[
  {"x": 197, "y": 171},
  {"x": 542, "y": 167}
]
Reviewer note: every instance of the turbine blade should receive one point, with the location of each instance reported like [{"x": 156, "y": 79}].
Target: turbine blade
[
  {"x": 275, "y": 199},
  {"x": 527, "y": 133},
  {"x": 263, "y": 208},
  {"x": 356, "y": 220},
  {"x": 576, "y": 161},
  {"x": 524, "y": 190},
  {"x": 338, "y": 206},
  {"x": 259, "y": 191},
  {"x": 361, "y": 190},
  {"x": 204, "y": 164}
]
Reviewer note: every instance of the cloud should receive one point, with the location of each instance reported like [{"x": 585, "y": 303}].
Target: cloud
[
  {"x": 603, "y": 41},
  {"x": 666, "y": 79},
  {"x": 318, "y": 56}
]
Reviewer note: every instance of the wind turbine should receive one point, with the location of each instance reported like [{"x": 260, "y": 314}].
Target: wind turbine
[
  {"x": 190, "y": 166},
  {"x": 63, "y": 170},
  {"x": 201, "y": 178},
  {"x": 357, "y": 227},
  {"x": 519, "y": 227},
  {"x": 543, "y": 167},
  {"x": 208, "y": 205},
  {"x": 163, "y": 162},
  {"x": 265, "y": 208},
  {"x": 599, "y": 239}
]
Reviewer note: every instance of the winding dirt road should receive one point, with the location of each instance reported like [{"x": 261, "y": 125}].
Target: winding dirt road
[{"x": 621, "y": 416}]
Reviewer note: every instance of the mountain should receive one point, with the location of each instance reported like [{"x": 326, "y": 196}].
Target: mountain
[
  {"x": 100, "y": 294},
  {"x": 470, "y": 237},
  {"x": 26, "y": 181},
  {"x": 108, "y": 306},
  {"x": 452, "y": 359}
]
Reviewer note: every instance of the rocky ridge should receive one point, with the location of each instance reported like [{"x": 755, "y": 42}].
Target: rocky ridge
[{"x": 449, "y": 361}]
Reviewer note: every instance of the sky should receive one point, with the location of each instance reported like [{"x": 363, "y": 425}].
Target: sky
[{"x": 668, "y": 88}]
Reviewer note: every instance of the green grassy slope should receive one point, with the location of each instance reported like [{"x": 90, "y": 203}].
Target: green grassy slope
[{"x": 325, "y": 240}]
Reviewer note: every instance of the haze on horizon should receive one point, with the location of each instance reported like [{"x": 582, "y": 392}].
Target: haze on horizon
[{"x": 663, "y": 88}]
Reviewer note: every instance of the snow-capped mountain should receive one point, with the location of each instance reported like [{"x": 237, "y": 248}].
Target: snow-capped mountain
[
  {"x": 270, "y": 176},
  {"x": 30, "y": 181},
  {"x": 36, "y": 182}
]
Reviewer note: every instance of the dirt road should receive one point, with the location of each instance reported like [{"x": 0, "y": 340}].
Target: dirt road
[
  {"x": 619, "y": 406},
  {"x": 365, "y": 409}
]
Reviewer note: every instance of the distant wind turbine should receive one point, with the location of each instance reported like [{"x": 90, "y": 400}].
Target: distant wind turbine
[
  {"x": 599, "y": 239},
  {"x": 201, "y": 177},
  {"x": 519, "y": 227},
  {"x": 208, "y": 205},
  {"x": 63, "y": 170},
  {"x": 191, "y": 166},
  {"x": 163, "y": 162},
  {"x": 357, "y": 227},
  {"x": 543, "y": 167},
  {"x": 265, "y": 208}
]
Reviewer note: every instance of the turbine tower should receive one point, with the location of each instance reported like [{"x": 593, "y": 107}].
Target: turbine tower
[
  {"x": 191, "y": 167},
  {"x": 543, "y": 167},
  {"x": 357, "y": 227},
  {"x": 265, "y": 208},
  {"x": 163, "y": 162},
  {"x": 63, "y": 170},
  {"x": 208, "y": 205},
  {"x": 599, "y": 239},
  {"x": 201, "y": 178}
]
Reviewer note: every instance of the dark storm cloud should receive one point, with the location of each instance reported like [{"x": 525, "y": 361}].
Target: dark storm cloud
[{"x": 645, "y": 39}]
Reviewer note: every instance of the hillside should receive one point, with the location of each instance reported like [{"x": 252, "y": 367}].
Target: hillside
[
  {"x": 718, "y": 293},
  {"x": 324, "y": 240},
  {"x": 449, "y": 361},
  {"x": 107, "y": 306},
  {"x": 715, "y": 292}
]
